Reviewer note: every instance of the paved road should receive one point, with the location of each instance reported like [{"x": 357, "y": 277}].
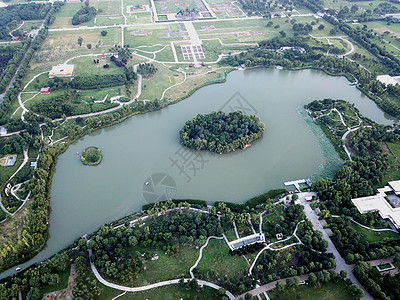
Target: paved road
[{"x": 340, "y": 262}]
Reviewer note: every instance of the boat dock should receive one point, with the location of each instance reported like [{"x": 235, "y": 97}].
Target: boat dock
[{"x": 297, "y": 183}]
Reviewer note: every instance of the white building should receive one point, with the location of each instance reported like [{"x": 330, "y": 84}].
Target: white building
[{"x": 380, "y": 204}]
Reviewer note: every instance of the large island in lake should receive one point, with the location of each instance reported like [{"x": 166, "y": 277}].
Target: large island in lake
[{"x": 220, "y": 132}]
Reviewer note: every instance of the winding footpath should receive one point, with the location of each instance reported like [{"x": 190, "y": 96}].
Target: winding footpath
[{"x": 201, "y": 254}]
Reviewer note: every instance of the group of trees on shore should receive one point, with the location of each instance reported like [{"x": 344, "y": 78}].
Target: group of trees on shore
[{"x": 220, "y": 132}]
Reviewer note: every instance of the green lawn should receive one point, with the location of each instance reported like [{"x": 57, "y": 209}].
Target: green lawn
[
  {"x": 217, "y": 263},
  {"x": 165, "y": 267},
  {"x": 374, "y": 237},
  {"x": 63, "y": 284},
  {"x": 332, "y": 290},
  {"x": 172, "y": 292},
  {"x": 395, "y": 149}
]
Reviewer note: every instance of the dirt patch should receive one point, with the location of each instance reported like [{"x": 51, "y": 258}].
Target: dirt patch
[
  {"x": 141, "y": 32},
  {"x": 385, "y": 148},
  {"x": 210, "y": 27},
  {"x": 382, "y": 30},
  {"x": 248, "y": 33}
]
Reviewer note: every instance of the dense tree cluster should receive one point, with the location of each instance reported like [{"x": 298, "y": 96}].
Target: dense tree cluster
[
  {"x": 83, "y": 15},
  {"x": 382, "y": 287},
  {"x": 12, "y": 14},
  {"x": 182, "y": 228},
  {"x": 220, "y": 132},
  {"x": 311, "y": 238},
  {"x": 291, "y": 215},
  {"x": 146, "y": 69},
  {"x": 353, "y": 246},
  {"x": 110, "y": 252},
  {"x": 273, "y": 265},
  {"x": 31, "y": 280},
  {"x": 98, "y": 81}
]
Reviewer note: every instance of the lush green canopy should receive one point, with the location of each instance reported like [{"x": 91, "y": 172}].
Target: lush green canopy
[{"x": 221, "y": 132}]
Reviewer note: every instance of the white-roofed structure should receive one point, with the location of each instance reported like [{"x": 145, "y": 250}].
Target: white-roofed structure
[
  {"x": 395, "y": 186},
  {"x": 381, "y": 204},
  {"x": 387, "y": 79}
]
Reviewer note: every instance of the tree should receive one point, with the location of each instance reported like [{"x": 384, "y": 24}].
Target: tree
[
  {"x": 89, "y": 46},
  {"x": 321, "y": 27},
  {"x": 221, "y": 291},
  {"x": 104, "y": 33},
  {"x": 343, "y": 274},
  {"x": 80, "y": 40},
  {"x": 356, "y": 291},
  {"x": 282, "y": 33},
  {"x": 280, "y": 287}
]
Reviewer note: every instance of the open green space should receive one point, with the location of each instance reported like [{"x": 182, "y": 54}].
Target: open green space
[
  {"x": 217, "y": 263},
  {"x": 108, "y": 7},
  {"x": 374, "y": 236},
  {"x": 165, "y": 267},
  {"x": 153, "y": 87},
  {"x": 394, "y": 147},
  {"x": 332, "y": 290},
  {"x": 62, "y": 284},
  {"x": 171, "y": 292}
]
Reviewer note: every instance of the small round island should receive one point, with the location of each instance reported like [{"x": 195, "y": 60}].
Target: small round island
[
  {"x": 220, "y": 132},
  {"x": 91, "y": 156}
]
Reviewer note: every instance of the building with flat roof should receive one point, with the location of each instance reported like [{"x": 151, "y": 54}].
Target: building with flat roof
[
  {"x": 247, "y": 240},
  {"x": 380, "y": 203},
  {"x": 62, "y": 70}
]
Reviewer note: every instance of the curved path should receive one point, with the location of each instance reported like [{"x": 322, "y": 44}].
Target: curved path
[
  {"x": 149, "y": 286},
  {"x": 366, "y": 227},
  {"x": 277, "y": 249},
  {"x": 201, "y": 253}
]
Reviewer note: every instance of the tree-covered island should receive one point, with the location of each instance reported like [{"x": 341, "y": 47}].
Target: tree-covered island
[{"x": 220, "y": 132}]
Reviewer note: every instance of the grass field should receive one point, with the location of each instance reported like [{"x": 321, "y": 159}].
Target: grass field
[
  {"x": 172, "y": 292},
  {"x": 165, "y": 267},
  {"x": 332, "y": 290},
  {"x": 211, "y": 267},
  {"x": 395, "y": 149},
  {"x": 153, "y": 87},
  {"x": 63, "y": 284},
  {"x": 374, "y": 237},
  {"x": 107, "y": 7}
]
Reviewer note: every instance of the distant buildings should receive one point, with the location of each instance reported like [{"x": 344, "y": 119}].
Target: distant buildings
[{"x": 386, "y": 202}]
